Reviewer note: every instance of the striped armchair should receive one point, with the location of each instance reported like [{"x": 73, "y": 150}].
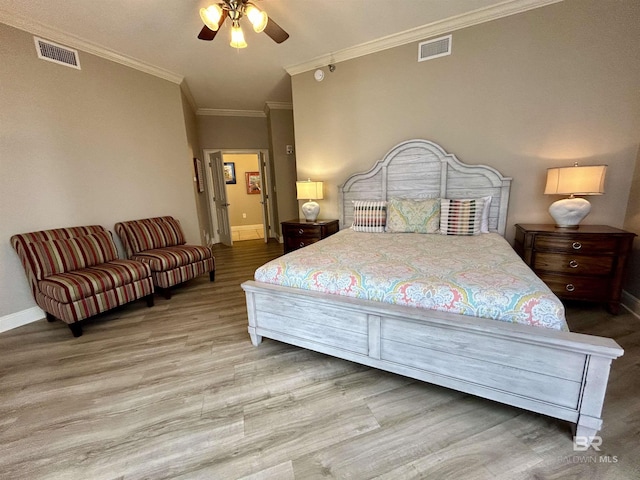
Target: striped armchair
[
  {"x": 159, "y": 243},
  {"x": 75, "y": 273}
]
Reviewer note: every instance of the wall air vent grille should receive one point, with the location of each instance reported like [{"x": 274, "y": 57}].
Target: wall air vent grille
[
  {"x": 438, "y": 47},
  {"x": 53, "y": 52}
]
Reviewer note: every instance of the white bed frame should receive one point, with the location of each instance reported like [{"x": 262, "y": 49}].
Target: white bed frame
[{"x": 560, "y": 374}]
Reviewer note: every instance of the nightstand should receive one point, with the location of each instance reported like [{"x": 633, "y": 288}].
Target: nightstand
[
  {"x": 299, "y": 233},
  {"x": 586, "y": 263}
]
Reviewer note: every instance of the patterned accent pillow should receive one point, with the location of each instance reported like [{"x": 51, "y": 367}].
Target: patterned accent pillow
[
  {"x": 369, "y": 215},
  {"x": 461, "y": 216},
  {"x": 67, "y": 254},
  {"x": 413, "y": 215}
]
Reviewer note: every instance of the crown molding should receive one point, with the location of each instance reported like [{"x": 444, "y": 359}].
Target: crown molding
[
  {"x": 482, "y": 15},
  {"x": 78, "y": 43},
  {"x": 278, "y": 106},
  {"x": 222, "y": 112},
  {"x": 268, "y": 106},
  {"x": 184, "y": 86}
]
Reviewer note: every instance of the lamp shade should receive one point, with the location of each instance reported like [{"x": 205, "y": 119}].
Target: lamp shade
[
  {"x": 258, "y": 18},
  {"x": 576, "y": 180},
  {"x": 211, "y": 16},
  {"x": 237, "y": 37},
  {"x": 309, "y": 190}
]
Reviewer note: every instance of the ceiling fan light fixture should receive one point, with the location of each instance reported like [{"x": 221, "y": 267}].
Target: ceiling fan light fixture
[
  {"x": 211, "y": 16},
  {"x": 258, "y": 18},
  {"x": 237, "y": 37},
  {"x": 214, "y": 16}
]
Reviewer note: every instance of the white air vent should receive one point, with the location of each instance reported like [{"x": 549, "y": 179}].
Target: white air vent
[
  {"x": 438, "y": 47},
  {"x": 57, "y": 53}
]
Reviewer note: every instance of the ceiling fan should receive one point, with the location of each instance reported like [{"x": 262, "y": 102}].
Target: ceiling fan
[{"x": 214, "y": 16}]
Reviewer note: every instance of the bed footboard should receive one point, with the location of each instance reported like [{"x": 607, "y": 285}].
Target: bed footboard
[{"x": 560, "y": 374}]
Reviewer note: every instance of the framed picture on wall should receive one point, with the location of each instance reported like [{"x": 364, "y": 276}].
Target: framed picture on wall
[
  {"x": 230, "y": 172},
  {"x": 254, "y": 185}
]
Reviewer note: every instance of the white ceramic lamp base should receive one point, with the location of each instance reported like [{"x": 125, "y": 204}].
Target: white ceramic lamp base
[
  {"x": 310, "y": 210},
  {"x": 569, "y": 212}
]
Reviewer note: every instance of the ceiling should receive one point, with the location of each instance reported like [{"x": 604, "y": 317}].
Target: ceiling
[{"x": 160, "y": 37}]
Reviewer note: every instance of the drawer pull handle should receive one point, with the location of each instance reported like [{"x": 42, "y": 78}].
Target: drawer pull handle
[
  {"x": 302, "y": 244},
  {"x": 573, "y": 264},
  {"x": 576, "y": 245},
  {"x": 301, "y": 231},
  {"x": 570, "y": 287}
]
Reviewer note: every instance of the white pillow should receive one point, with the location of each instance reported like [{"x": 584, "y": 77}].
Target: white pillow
[{"x": 484, "y": 224}]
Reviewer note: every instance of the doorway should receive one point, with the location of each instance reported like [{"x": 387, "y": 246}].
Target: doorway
[{"x": 238, "y": 193}]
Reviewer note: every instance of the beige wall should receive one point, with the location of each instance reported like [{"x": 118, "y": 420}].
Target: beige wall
[
  {"x": 240, "y": 201},
  {"x": 91, "y": 146},
  {"x": 523, "y": 93},
  {"x": 632, "y": 224},
  {"x": 193, "y": 143},
  {"x": 233, "y": 133},
  {"x": 281, "y": 134}
]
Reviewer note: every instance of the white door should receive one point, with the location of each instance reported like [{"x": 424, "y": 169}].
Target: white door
[
  {"x": 264, "y": 195},
  {"x": 220, "y": 198}
]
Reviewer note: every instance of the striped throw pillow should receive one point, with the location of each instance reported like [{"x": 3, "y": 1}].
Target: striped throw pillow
[
  {"x": 413, "y": 215},
  {"x": 369, "y": 215},
  {"x": 68, "y": 254},
  {"x": 461, "y": 216}
]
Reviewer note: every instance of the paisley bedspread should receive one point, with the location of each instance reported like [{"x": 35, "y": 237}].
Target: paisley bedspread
[{"x": 471, "y": 275}]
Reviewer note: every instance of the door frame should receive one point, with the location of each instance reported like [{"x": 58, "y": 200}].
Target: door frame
[
  {"x": 218, "y": 203},
  {"x": 267, "y": 183}
]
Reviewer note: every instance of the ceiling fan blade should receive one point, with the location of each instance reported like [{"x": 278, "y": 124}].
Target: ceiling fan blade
[
  {"x": 207, "y": 34},
  {"x": 275, "y": 31}
]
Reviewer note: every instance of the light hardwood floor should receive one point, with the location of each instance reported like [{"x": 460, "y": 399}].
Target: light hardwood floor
[
  {"x": 178, "y": 391},
  {"x": 242, "y": 234}
]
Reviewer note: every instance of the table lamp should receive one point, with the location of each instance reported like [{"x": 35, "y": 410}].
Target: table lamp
[
  {"x": 310, "y": 191},
  {"x": 576, "y": 180}
]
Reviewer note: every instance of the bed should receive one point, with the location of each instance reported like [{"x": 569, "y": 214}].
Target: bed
[{"x": 466, "y": 346}]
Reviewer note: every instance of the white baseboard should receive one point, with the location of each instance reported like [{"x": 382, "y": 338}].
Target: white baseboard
[
  {"x": 631, "y": 303},
  {"x": 18, "y": 319},
  {"x": 240, "y": 228}
]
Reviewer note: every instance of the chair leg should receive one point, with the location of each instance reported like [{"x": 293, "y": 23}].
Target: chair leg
[
  {"x": 76, "y": 329},
  {"x": 212, "y": 276},
  {"x": 50, "y": 318},
  {"x": 165, "y": 292},
  {"x": 149, "y": 299}
]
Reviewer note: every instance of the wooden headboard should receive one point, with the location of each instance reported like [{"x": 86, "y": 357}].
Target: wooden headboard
[{"x": 422, "y": 169}]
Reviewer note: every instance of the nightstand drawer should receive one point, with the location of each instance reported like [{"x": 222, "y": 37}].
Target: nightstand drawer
[
  {"x": 573, "y": 264},
  {"x": 295, "y": 243},
  {"x": 302, "y": 231},
  {"x": 578, "y": 288},
  {"x": 588, "y": 246}
]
